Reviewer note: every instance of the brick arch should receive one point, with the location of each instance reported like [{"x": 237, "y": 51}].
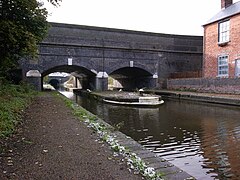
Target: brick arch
[
  {"x": 125, "y": 64},
  {"x": 48, "y": 63},
  {"x": 86, "y": 75},
  {"x": 68, "y": 69},
  {"x": 130, "y": 78}
]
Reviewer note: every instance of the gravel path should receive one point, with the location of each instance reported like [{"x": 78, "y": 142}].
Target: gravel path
[{"x": 52, "y": 144}]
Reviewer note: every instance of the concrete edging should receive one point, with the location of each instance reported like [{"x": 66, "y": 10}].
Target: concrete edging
[{"x": 152, "y": 160}]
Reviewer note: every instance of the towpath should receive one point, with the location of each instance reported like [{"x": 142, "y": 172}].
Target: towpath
[{"x": 52, "y": 144}]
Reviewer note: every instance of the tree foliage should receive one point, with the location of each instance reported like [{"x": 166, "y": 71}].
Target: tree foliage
[
  {"x": 23, "y": 24},
  {"x": 55, "y": 2}
]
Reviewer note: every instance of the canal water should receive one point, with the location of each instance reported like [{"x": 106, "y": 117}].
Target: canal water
[{"x": 201, "y": 139}]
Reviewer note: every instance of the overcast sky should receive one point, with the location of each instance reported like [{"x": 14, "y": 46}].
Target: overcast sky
[{"x": 162, "y": 16}]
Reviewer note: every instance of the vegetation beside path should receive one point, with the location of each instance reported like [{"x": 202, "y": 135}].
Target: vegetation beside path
[{"x": 13, "y": 100}]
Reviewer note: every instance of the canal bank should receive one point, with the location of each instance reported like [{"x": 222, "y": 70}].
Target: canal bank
[
  {"x": 53, "y": 144},
  {"x": 215, "y": 98}
]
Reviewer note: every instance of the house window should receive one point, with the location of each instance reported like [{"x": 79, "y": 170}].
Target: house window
[
  {"x": 223, "y": 30},
  {"x": 223, "y": 65}
]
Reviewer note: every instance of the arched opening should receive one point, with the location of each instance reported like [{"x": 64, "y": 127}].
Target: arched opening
[
  {"x": 129, "y": 78},
  {"x": 68, "y": 77}
]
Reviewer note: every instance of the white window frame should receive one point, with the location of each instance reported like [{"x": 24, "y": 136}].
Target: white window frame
[
  {"x": 224, "y": 32},
  {"x": 237, "y": 68},
  {"x": 223, "y": 67}
]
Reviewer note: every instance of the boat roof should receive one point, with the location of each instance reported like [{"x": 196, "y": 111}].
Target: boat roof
[{"x": 225, "y": 13}]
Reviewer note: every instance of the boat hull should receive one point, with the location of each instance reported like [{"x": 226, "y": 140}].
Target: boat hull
[{"x": 140, "y": 104}]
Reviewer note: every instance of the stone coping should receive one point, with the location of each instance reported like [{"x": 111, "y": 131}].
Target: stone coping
[{"x": 170, "y": 171}]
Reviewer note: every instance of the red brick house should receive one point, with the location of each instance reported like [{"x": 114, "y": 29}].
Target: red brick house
[{"x": 222, "y": 42}]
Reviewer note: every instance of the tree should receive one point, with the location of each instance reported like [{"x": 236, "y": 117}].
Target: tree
[
  {"x": 23, "y": 24},
  {"x": 55, "y": 2}
]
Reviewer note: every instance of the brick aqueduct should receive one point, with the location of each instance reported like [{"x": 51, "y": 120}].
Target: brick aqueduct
[{"x": 136, "y": 59}]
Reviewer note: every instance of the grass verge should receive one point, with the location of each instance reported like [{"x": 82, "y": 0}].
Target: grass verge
[{"x": 13, "y": 100}]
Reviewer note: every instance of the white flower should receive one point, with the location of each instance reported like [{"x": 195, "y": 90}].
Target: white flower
[
  {"x": 121, "y": 149},
  {"x": 150, "y": 172},
  {"x": 87, "y": 120}
]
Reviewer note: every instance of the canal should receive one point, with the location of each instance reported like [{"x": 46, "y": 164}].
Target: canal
[{"x": 201, "y": 139}]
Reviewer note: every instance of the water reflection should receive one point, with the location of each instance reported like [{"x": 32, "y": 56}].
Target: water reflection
[
  {"x": 68, "y": 94},
  {"x": 201, "y": 139}
]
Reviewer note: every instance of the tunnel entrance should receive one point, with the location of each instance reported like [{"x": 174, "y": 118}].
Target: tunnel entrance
[{"x": 55, "y": 83}]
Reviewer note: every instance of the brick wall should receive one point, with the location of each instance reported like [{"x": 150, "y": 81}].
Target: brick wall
[
  {"x": 215, "y": 85},
  {"x": 212, "y": 50},
  {"x": 186, "y": 74}
]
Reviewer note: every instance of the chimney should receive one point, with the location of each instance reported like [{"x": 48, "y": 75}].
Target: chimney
[{"x": 226, "y": 3}]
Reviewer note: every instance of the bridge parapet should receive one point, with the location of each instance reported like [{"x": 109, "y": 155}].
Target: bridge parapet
[{"x": 79, "y": 35}]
